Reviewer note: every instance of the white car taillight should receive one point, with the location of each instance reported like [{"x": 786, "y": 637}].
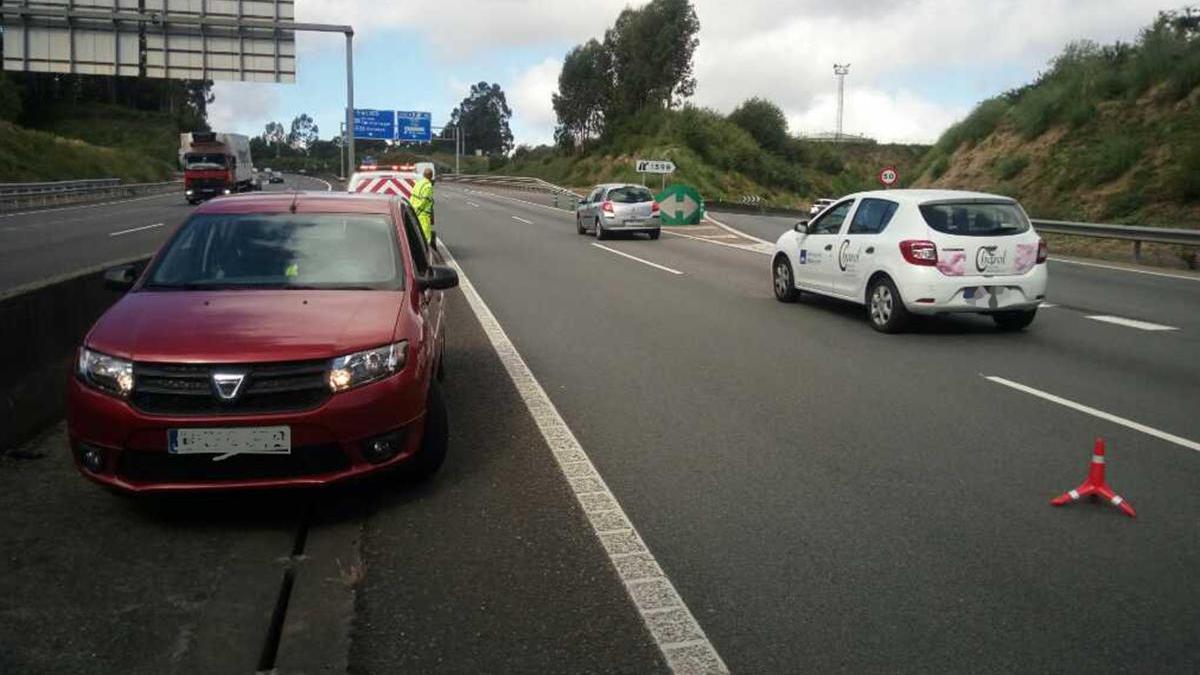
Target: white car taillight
[
  {"x": 919, "y": 252},
  {"x": 1043, "y": 251}
]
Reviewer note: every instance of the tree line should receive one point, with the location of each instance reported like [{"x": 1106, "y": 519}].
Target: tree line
[
  {"x": 644, "y": 61},
  {"x": 30, "y": 99}
]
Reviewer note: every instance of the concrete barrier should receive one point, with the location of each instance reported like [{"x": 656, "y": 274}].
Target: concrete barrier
[{"x": 41, "y": 326}]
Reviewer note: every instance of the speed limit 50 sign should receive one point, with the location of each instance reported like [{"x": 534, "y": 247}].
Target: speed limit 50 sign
[{"x": 888, "y": 176}]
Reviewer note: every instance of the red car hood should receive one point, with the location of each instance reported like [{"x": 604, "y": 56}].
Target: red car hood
[{"x": 245, "y": 326}]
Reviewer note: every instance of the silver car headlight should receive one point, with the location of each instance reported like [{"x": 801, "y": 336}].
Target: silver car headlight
[
  {"x": 353, "y": 370},
  {"x": 106, "y": 373}
]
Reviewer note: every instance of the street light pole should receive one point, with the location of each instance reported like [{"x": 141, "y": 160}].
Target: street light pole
[{"x": 350, "y": 99}]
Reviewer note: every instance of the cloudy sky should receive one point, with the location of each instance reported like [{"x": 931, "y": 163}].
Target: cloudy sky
[{"x": 916, "y": 65}]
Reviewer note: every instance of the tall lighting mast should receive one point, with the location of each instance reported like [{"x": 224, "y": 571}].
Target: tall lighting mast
[{"x": 841, "y": 70}]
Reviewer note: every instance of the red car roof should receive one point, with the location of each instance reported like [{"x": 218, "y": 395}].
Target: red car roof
[{"x": 306, "y": 202}]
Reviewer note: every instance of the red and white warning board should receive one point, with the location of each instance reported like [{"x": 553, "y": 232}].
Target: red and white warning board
[{"x": 383, "y": 183}]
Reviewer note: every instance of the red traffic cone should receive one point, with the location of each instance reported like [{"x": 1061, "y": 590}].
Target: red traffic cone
[{"x": 1095, "y": 486}]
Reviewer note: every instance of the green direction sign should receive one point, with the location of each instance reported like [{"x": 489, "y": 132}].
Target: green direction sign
[{"x": 680, "y": 205}]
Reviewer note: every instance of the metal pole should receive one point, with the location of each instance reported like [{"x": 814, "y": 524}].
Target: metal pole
[
  {"x": 841, "y": 70},
  {"x": 350, "y": 100},
  {"x": 342, "y": 153},
  {"x": 457, "y": 145}
]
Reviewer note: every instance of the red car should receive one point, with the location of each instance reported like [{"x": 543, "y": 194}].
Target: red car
[{"x": 281, "y": 339}]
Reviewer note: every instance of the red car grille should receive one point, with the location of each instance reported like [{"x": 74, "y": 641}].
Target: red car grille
[{"x": 188, "y": 389}]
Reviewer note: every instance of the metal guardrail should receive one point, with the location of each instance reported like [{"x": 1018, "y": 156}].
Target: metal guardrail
[
  {"x": 515, "y": 182},
  {"x": 23, "y": 195},
  {"x": 25, "y": 189}
]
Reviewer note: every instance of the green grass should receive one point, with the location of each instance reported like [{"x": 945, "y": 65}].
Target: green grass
[
  {"x": 155, "y": 135},
  {"x": 35, "y": 156}
]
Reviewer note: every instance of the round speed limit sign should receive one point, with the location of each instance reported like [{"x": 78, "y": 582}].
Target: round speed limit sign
[{"x": 888, "y": 176}]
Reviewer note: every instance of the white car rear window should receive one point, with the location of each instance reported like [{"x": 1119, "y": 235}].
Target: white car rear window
[{"x": 975, "y": 219}]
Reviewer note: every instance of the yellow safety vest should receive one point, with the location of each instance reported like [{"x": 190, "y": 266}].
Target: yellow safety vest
[{"x": 422, "y": 203}]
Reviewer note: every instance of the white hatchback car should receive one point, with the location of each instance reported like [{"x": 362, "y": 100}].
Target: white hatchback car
[{"x": 905, "y": 252}]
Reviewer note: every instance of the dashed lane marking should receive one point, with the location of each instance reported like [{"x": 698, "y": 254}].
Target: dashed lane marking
[
  {"x": 473, "y": 204},
  {"x": 641, "y": 260},
  {"x": 135, "y": 229},
  {"x": 666, "y": 616},
  {"x": 520, "y": 219},
  {"x": 1131, "y": 323},
  {"x": 1109, "y": 417}
]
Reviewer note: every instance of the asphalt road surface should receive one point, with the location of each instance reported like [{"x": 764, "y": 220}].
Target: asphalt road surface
[
  {"x": 824, "y": 498},
  {"x": 45, "y": 243}
]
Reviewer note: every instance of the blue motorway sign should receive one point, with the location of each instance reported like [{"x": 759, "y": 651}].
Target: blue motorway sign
[
  {"x": 375, "y": 124},
  {"x": 413, "y": 127}
]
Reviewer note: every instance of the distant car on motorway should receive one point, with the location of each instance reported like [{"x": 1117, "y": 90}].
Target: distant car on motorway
[
  {"x": 276, "y": 177},
  {"x": 820, "y": 205},
  {"x": 618, "y": 207},
  {"x": 918, "y": 252},
  {"x": 276, "y": 339}
]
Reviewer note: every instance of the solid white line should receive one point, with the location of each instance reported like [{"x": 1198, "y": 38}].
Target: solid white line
[
  {"x": 473, "y": 204},
  {"x": 634, "y": 257},
  {"x": 1047, "y": 305},
  {"x": 1130, "y": 323},
  {"x": 135, "y": 229},
  {"x": 1150, "y": 431},
  {"x": 1124, "y": 269},
  {"x": 527, "y": 222},
  {"x": 328, "y": 185},
  {"x": 626, "y": 550},
  {"x": 734, "y": 230}
]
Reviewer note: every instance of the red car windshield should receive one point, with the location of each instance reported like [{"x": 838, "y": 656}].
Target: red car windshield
[{"x": 289, "y": 251}]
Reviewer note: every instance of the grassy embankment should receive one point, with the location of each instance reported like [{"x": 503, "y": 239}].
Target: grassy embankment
[{"x": 106, "y": 143}]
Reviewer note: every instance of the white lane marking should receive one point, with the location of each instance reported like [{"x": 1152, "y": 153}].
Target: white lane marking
[
  {"x": 666, "y": 616},
  {"x": 749, "y": 248},
  {"x": 1123, "y": 269},
  {"x": 473, "y": 204},
  {"x": 89, "y": 206},
  {"x": 135, "y": 229},
  {"x": 734, "y": 230},
  {"x": 328, "y": 185},
  {"x": 518, "y": 218},
  {"x": 634, "y": 257},
  {"x": 1150, "y": 431},
  {"x": 1047, "y": 305},
  {"x": 1130, "y": 323},
  {"x": 514, "y": 199}
]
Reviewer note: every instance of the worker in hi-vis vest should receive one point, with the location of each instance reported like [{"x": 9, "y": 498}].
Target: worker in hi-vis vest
[{"x": 422, "y": 203}]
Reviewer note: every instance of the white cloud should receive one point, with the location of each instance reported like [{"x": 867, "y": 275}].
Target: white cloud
[
  {"x": 460, "y": 28},
  {"x": 785, "y": 50},
  {"x": 530, "y": 98},
  {"x": 243, "y": 105}
]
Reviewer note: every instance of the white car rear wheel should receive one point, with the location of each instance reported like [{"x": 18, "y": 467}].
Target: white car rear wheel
[{"x": 885, "y": 307}]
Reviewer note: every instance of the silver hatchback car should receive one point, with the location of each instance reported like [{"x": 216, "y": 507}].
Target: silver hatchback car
[{"x": 618, "y": 207}]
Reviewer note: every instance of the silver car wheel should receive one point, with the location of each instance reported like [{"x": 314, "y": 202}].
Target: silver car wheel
[
  {"x": 881, "y": 305},
  {"x": 783, "y": 281}
]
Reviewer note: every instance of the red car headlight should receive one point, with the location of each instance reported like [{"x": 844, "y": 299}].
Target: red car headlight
[
  {"x": 106, "y": 373},
  {"x": 353, "y": 370}
]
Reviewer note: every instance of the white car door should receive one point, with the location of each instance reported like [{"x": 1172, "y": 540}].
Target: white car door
[
  {"x": 858, "y": 247},
  {"x": 816, "y": 258}
]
